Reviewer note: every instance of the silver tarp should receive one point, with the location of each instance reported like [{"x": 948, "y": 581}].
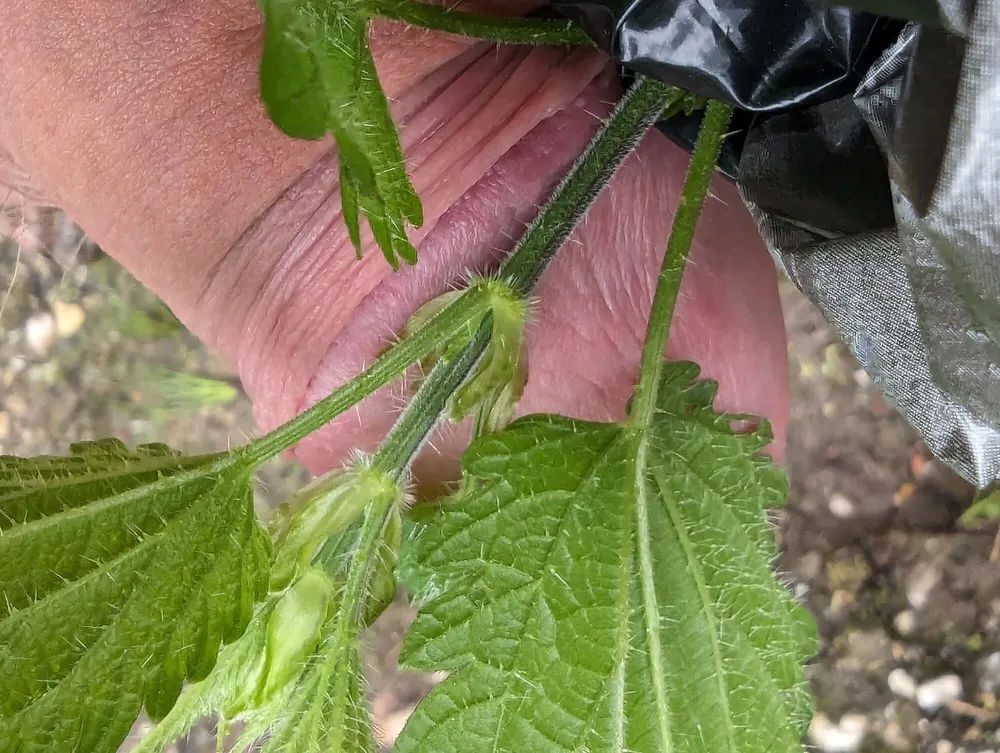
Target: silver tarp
[{"x": 919, "y": 303}]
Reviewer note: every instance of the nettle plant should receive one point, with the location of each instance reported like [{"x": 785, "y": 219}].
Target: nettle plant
[{"x": 588, "y": 587}]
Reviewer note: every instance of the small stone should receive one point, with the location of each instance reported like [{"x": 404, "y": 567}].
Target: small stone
[
  {"x": 895, "y": 738},
  {"x": 920, "y": 584},
  {"x": 861, "y": 378},
  {"x": 4, "y": 424},
  {"x": 69, "y": 317},
  {"x": 844, "y": 737},
  {"x": 841, "y": 506},
  {"x": 901, "y": 684},
  {"x": 904, "y": 622},
  {"x": 40, "y": 332},
  {"x": 16, "y": 404},
  {"x": 989, "y": 673},
  {"x": 809, "y": 567},
  {"x": 939, "y": 692},
  {"x": 944, "y": 746},
  {"x": 840, "y": 600}
]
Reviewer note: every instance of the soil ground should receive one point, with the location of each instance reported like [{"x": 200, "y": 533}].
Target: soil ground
[{"x": 906, "y": 599}]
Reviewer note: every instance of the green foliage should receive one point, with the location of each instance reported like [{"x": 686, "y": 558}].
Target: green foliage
[
  {"x": 985, "y": 508},
  {"x": 225, "y": 691},
  {"x": 601, "y": 587},
  {"x": 590, "y": 586},
  {"x": 121, "y": 573},
  {"x": 182, "y": 391},
  {"x": 317, "y": 78}
]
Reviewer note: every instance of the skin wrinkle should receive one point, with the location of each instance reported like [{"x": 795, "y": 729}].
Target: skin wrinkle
[
  {"x": 168, "y": 183},
  {"x": 318, "y": 265}
]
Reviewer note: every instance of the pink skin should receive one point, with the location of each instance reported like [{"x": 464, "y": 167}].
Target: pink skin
[{"x": 159, "y": 147}]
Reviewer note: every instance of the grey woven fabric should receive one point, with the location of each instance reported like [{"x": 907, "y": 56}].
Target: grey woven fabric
[{"x": 918, "y": 302}]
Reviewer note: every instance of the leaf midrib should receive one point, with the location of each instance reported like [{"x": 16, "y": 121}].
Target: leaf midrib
[
  {"x": 123, "y": 469},
  {"x": 651, "y": 609},
  {"x": 119, "y": 499},
  {"x": 706, "y": 600}
]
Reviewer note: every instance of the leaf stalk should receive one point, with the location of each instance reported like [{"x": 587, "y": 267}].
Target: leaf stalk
[
  {"x": 703, "y": 160},
  {"x": 389, "y": 366},
  {"x": 636, "y": 112}
]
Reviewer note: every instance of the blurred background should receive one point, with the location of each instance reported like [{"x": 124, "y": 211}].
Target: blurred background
[{"x": 893, "y": 554}]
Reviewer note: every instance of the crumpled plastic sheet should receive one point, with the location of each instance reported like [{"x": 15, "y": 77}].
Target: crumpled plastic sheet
[
  {"x": 874, "y": 177},
  {"x": 760, "y": 55},
  {"x": 917, "y": 299}
]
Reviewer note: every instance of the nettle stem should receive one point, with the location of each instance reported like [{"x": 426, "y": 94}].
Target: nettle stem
[
  {"x": 703, "y": 161},
  {"x": 505, "y": 30},
  {"x": 407, "y": 436},
  {"x": 636, "y": 112},
  {"x": 389, "y": 366}
]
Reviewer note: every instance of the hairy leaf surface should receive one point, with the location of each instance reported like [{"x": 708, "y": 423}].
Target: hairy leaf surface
[
  {"x": 597, "y": 587},
  {"x": 121, "y": 572},
  {"x": 317, "y": 79}
]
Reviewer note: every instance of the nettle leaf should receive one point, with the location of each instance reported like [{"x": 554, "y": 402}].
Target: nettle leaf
[
  {"x": 121, "y": 571},
  {"x": 237, "y": 669},
  {"x": 317, "y": 78},
  {"x": 593, "y": 587}
]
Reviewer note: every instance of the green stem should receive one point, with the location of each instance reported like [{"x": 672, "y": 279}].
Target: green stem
[
  {"x": 412, "y": 428},
  {"x": 506, "y": 30},
  {"x": 639, "y": 108},
  {"x": 703, "y": 160},
  {"x": 637, "y": 111},
  {"x": 345, "y": 634},
  {"x": 392, "y": 364},
  {"x": 632, "y": 117}
]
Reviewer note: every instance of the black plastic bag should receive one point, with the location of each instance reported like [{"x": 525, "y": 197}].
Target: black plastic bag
[
  {"x": 760, "y": 55},
  {"x": 868, "y": 151}
]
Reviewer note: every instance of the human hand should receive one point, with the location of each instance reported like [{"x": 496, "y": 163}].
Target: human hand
[{"x": 142, "y": 120}]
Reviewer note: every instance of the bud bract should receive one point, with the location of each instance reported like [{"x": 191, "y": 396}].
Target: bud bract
[
  {"x": 294, "y": 630},
  {"x": 325, "y": 507},
  {"x": 498, "y": 382}
]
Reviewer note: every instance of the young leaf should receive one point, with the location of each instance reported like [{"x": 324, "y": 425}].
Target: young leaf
[
  {"x": 235, "y": 676},
  {"x": 121, "y": 573},
  {"x": 317, "y": 77},
  {"x": 601, "y": 587}
]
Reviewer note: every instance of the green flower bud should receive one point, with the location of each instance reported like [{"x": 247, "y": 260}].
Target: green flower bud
[
  {"x": 498, "y": 382},
  {"x": 294, "y": 629},
  {"x": 325, "y": 507},
  {"x": 382, "y": 582}
]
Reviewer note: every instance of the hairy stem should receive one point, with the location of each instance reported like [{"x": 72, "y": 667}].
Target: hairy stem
[
  {"x": 635, "y": 113},
  {"x": 639, "y": 108},
  {"x": 389, "y": 366},
  {"x": 506, "y": 30},
  {"x": 407, "y": 436},
  {"x": 706, "y": 153}
]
